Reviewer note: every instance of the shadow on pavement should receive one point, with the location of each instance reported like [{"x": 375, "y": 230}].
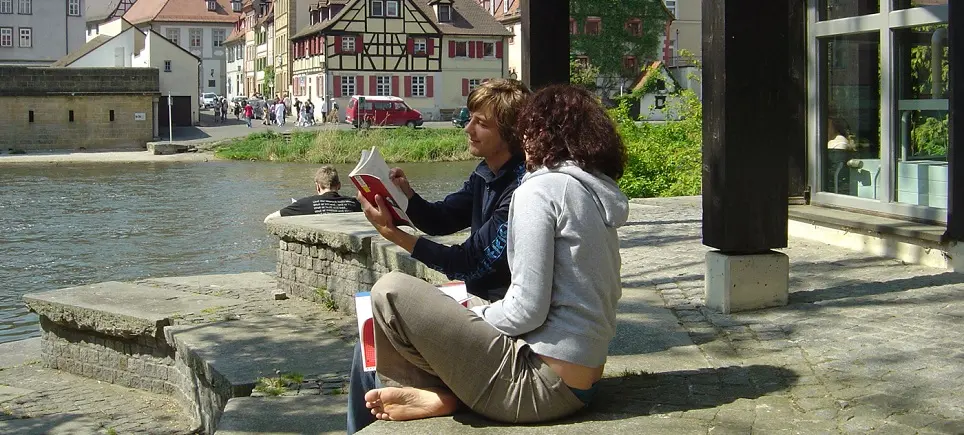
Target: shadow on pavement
[{"x": 636, "y": 395}]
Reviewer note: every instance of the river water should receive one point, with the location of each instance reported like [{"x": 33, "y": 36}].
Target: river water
[{"x": 64, "y": 225}]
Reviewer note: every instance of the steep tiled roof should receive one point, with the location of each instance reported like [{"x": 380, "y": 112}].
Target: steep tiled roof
[
  {"x": 468, "y": 18},
  {"x": 99, "y": 10},
  {"x": 180, "y": 11},
  {"x": 90, "y": 46},
  {"x": 235, "y": 35}
]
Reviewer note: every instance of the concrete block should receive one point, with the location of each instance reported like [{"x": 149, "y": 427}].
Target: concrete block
[{"x": 746, "y": 282}]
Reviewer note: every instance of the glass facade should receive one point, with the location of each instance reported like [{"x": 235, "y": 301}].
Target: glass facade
[{"x": 879, "y": 106}]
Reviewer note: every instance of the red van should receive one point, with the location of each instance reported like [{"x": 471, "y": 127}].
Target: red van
[{"x": 369, "y": 110}]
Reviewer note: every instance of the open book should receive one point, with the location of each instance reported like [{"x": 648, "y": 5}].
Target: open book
[
  {"x": 366, "y": 322},
  {"x": 371, "y": 178}
]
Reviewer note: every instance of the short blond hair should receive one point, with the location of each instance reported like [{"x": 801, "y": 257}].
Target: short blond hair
[
  {"x": 327, "y": 177},
  {"x": 502, "y": 99}
]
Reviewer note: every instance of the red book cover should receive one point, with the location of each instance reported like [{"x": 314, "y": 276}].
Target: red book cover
[{"x": 371, "y": 177}]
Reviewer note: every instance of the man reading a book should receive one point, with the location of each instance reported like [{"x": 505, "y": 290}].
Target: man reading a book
[
  {"x": 327, "y": 199},
  {"x": 482, "y": 205}
]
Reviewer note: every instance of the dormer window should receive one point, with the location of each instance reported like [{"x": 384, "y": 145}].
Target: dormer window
[
  {"x": 235, "y": 5},
  {"x": 212, "y": 5},
  {"x": 377, "y": 8},
  {"x": 444, "y": 13},
  {"x": 391, "y": 8}
]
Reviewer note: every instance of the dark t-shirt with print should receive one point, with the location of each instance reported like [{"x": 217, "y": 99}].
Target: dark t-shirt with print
[{"x": 328, "y": 202}]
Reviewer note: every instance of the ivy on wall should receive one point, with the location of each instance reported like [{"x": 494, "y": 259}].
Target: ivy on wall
[{"x": 607, "y": 49}]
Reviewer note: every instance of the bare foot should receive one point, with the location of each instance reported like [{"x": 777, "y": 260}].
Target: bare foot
[{"x": 410, "y": 403}]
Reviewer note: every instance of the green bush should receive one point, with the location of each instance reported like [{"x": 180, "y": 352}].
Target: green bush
[{"x": 664, "y": 159}]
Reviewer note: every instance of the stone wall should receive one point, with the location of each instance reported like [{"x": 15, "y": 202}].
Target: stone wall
[
  {"x": 49, "y": 95},
  {"x": 329, "y": 258}
]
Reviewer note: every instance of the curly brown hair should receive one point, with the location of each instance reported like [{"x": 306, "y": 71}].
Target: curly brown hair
[{"x": 566, "y": 122}]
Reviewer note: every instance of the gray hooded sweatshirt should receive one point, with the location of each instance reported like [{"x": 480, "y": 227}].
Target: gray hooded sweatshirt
[{"x": 564, "y": 257}]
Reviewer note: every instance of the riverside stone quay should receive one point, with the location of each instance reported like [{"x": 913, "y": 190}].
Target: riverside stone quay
[{"x": 865, "y": 344}]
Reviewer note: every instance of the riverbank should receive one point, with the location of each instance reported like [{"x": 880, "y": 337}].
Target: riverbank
[
  {"x": 345, "y": 146},
  {"x": 103, "y": 157}
]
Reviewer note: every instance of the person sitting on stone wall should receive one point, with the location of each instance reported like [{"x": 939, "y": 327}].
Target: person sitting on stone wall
[
  {"x": 482, "y": 205},
  {"x": 327, "y": 200}
]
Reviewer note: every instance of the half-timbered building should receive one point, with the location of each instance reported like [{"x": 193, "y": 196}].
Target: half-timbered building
[{"x": 430, "y": 52}]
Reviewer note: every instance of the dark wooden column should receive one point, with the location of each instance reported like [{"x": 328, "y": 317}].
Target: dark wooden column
[
  {"x": 746, "y": 115},
  {"x": 797, "y": 130},
  {"x": 545, "y": 43},
  {"x": 955, "y": 157}
]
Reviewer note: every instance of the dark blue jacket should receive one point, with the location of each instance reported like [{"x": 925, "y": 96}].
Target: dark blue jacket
[{"x": 482, "y": 205}]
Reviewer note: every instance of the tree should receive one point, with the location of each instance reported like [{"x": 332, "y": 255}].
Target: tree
[
  {"x": 268, "y": 77},
  {"x": 583, "y": 74},
  {"x": 616, "y": 40}
]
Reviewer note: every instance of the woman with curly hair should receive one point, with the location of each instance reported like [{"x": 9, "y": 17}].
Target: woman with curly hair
[{"x": 537, "y": 354}]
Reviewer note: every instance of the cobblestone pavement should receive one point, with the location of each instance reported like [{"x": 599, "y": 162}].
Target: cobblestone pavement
[
  {"x": 52, "y": 398},
  {"x": 873, "y": 344}
]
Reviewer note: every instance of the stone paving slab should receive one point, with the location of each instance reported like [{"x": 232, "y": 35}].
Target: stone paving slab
[
  {"x": 10, "y": 393},
  {"x": 120, "y": 309},
  {"x": 321, "y": 414},
  {"x": 20, "y": 352},
  {"x": 242, "y": 351},
  {"x": 63, "y": 403}
]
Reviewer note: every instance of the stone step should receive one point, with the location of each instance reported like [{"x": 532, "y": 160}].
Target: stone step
[
  {"x": 228, "y": 358},
  {"x": 316, "y": 414}
]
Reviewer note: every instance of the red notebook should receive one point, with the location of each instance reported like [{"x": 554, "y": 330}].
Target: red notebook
[
  {"x": 371, "y": 177},
  {"x": 366, "y": 324}
]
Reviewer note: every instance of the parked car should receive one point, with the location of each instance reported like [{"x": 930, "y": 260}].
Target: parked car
[
  {"x": 461, "y": 117},
  {"x": 208, "y": 99},
  {"x": 369, "y": 110}
]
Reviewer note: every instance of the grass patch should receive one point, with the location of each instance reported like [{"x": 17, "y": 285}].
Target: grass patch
[
  {"x": 276, "y": 386},
  {"x": 327, "y": 299},
  {"x": 345, "y": 146}
]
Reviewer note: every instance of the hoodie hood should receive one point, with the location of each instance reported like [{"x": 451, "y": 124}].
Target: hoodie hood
[{"x": 610, "y": 201}]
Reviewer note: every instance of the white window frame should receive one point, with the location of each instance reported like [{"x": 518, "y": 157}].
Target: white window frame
[
  {"x": 420, "y": 46},
  {"x": 6, "y": 6},
  {"x": 176, "y": 33},
  {"x": 464, "y": 45},
  {"x": 200, "y": 37},
  {"x": 485, "y": 49},
  {"x": 217, "y": 37},
  {"x": 348, "y": 44},
  {"x": 383, "y": 86},
  {"x": 883, "y": 23},
  {"x": 447, "y": 16},
  {"x": 381, "y": 8},
  {"x": 671, "y": 6},
  {"x": 474, "y": 83},
  {"x": 388, "y": 12},
  {"x": 167, "y": 66},
  {"x": 347, "y": 86},
  {"x": 73, "y": 8},
  {"x": 26, "y": 34},
  {"x": 6, "y": 36},
  {"x": 419, "y": 89},
  {"x": 25, "y": 7}
]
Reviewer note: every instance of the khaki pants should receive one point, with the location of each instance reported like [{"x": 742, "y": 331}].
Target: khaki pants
[{"x": 423, "y": 338}]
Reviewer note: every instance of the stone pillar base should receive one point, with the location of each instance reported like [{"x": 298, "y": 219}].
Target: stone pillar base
[{"x": 746, "y": 282}]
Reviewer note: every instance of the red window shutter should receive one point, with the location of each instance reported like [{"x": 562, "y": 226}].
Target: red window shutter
[
  {"x": 359, "y": 44},
  {"x": 479, "y": 49},
  {"x": 465, "y": 87},
  {"x": 498, "y": 50},
  {"x": 471, "y": 49},
  {"x": 410, "y": 46},
  {"x": 408, "y": 86},
  {"x": 336, "y": 84},
  {"x": 429, "y": 86},
  {"x": 395, "y": 91},
  {"x": 451, "y": 48},
  {"x": 373, "y": 85},
  {"x": 431, "y": 46},
  {"x": 360, "y": 85},
  {"x": 338, "y": 45}
]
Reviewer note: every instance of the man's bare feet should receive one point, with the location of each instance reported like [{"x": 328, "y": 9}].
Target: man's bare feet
[{"x": 410, "y": 403}]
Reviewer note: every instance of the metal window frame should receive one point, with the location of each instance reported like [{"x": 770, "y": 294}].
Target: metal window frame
[{"x": 884, "y": 23}]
